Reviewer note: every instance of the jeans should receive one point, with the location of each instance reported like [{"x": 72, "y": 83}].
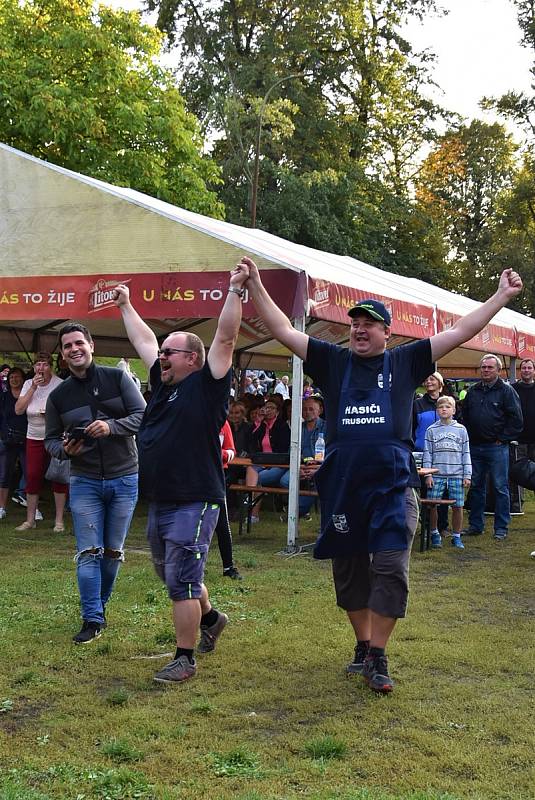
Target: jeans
[
  {"x": 101, "y": 511},
  {"x": 269, "y": 476},
  {"x": 305, "y": 503},
  {"x": 491, "y": 459}
]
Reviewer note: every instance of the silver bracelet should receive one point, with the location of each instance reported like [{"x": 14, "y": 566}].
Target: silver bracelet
[{"x": 239, "y": 292}]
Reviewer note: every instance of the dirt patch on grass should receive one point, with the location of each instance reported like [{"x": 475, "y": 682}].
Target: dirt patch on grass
[{"x": 22, "y": 714}]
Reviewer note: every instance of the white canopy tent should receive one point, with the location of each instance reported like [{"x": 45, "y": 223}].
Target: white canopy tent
[{"x": 66, "y": 239}]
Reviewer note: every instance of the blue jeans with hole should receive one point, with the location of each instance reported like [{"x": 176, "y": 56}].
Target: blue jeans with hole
[
  {"x": 492, "y": 460},
  {"x": 101, "y": 512}
]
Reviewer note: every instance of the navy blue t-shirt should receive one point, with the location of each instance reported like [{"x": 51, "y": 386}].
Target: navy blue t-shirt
[
  {"x": 410, "y": 365},
  {"x": 178, "y": 441}
]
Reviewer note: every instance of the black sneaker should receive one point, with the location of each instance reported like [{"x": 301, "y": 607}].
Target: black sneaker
[
  {"x": 357, "y": 665},
  {"x": 375, "y": 673},
  {"x": 232, "y": 572},
  {"x": 471, "y": 532},
  {"x": 88, "y": 632}
]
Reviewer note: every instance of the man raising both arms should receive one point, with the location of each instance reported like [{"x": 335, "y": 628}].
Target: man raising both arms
[
  {"x": 368, "y": 514},
  {"x": 180, "y": 464}
]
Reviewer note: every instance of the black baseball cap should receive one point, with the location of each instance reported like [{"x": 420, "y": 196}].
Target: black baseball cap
[{"x": 372, "y": 307}]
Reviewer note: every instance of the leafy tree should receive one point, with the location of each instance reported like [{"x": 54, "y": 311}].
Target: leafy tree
[
  {"x": 514, "y": 237},
  {"x": 519, "y": 106},
  {"x": 460, "y": 186},
  {"x": 82, "y": 89},
  {"x": 330, "y": 84}
]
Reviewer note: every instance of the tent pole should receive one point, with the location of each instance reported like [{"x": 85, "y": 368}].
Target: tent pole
[{"x": 295, "y": 444}]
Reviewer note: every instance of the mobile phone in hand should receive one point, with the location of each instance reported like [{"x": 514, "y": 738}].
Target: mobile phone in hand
[{"x": 77, "y": 433}]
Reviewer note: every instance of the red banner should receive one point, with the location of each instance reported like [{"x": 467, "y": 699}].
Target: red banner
[
  {"x": 525, "y": 345},
  {"x": 492, "y": 339},
  {"x": 331, "y": 301},
  {"x": 170, "y": 295}
]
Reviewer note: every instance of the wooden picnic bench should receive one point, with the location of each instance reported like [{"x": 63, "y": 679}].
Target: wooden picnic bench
[{"x": 260, "y": 491}]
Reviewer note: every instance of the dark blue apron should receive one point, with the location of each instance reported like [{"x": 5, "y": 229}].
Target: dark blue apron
[{"x": 362, "y": 482}]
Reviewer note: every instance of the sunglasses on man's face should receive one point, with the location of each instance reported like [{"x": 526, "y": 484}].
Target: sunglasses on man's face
[{"x": 169, "y": 351}]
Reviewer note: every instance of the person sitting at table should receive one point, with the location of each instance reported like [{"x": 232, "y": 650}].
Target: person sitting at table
[
  {"x": 272, "y": 435},
  {"x": 446, "y": 448},
  {"x": 312, "y": 426},
  {"x": 256, "y": 415},
  {"x": 240, "y": 427}
]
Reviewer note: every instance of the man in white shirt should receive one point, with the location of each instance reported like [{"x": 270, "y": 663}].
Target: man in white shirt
[{"x": 283, "y": 388}]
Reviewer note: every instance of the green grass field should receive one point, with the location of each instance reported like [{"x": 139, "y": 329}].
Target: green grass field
[{"x": 270, "y": 713}]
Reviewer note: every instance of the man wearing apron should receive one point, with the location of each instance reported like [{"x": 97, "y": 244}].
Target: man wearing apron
[{"x": 368, "y": 510}]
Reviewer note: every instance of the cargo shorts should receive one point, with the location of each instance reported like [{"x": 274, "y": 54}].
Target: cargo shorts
[
  {"x": 378, "y": 581},
  {"x": 179, "y": 539}
]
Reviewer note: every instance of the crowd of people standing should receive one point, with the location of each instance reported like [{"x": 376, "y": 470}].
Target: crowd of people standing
[{"x": 96, "y": 421}]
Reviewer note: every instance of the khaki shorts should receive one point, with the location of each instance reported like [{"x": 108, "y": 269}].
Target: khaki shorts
[{"x": 378, "y": 581}]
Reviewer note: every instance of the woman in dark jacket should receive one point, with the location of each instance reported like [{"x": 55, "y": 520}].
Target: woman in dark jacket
[
  {"x": 12, "y": 435},
  {"x": 271, "y": 436}
]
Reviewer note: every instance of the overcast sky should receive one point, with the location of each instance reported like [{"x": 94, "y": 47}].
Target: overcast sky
[
  {"x": 477, "y": 48},
  {"x": 478, "y": 52}
]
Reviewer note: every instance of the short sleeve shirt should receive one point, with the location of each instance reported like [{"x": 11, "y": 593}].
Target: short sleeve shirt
[
  {"x": 178, "y": 441},
  {"x": 410, "y": 365}
]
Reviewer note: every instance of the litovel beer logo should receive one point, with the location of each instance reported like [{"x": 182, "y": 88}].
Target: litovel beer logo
[
  {"x": 320, "y": 295},
  {"x": 102, "y": 294}
]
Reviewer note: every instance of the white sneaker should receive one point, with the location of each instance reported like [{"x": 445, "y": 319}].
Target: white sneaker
[
  {"x": 38, "y": 516},
  {"x": 2, "y": 513}
]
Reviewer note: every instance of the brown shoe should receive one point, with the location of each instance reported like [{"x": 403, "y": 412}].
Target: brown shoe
[{"x": 210, "y": 634}]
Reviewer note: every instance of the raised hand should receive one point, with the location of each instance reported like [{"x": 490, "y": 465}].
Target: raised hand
[
  {"x": 510, "y": 283},
  {"x": 122, "y": 295},
  {"x": 248, "y": 263},
  {"x": 240, "y": 274}
]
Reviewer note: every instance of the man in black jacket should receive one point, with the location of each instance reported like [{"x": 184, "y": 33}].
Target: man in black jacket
[
  {"x": 525, "y": 389},
  {"x": 493, "y": 418},
  {"x": 91, "y": 419}
]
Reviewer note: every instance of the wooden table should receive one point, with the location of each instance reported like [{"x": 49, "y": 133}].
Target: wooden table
[{"x": 255, "y": 493}]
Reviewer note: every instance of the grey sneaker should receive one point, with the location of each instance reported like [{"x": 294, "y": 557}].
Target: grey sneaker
[
  {"x": 500, "y": 535},
  {"x": 375, "y": 673},
  {"x": 178, "y": 670},
  {"x": 356, "y": 666},
  {"x": 210, "y": 634}
]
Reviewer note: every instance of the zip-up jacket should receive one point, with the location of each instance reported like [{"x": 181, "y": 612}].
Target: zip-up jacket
[
  {"x": 279, "y": 437},
  {"x": 424, "y": 414},
  {"x": 492, "y": 414},
  {"x": 106, "y": 393},
  {"x": 526, "y": 392}
]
